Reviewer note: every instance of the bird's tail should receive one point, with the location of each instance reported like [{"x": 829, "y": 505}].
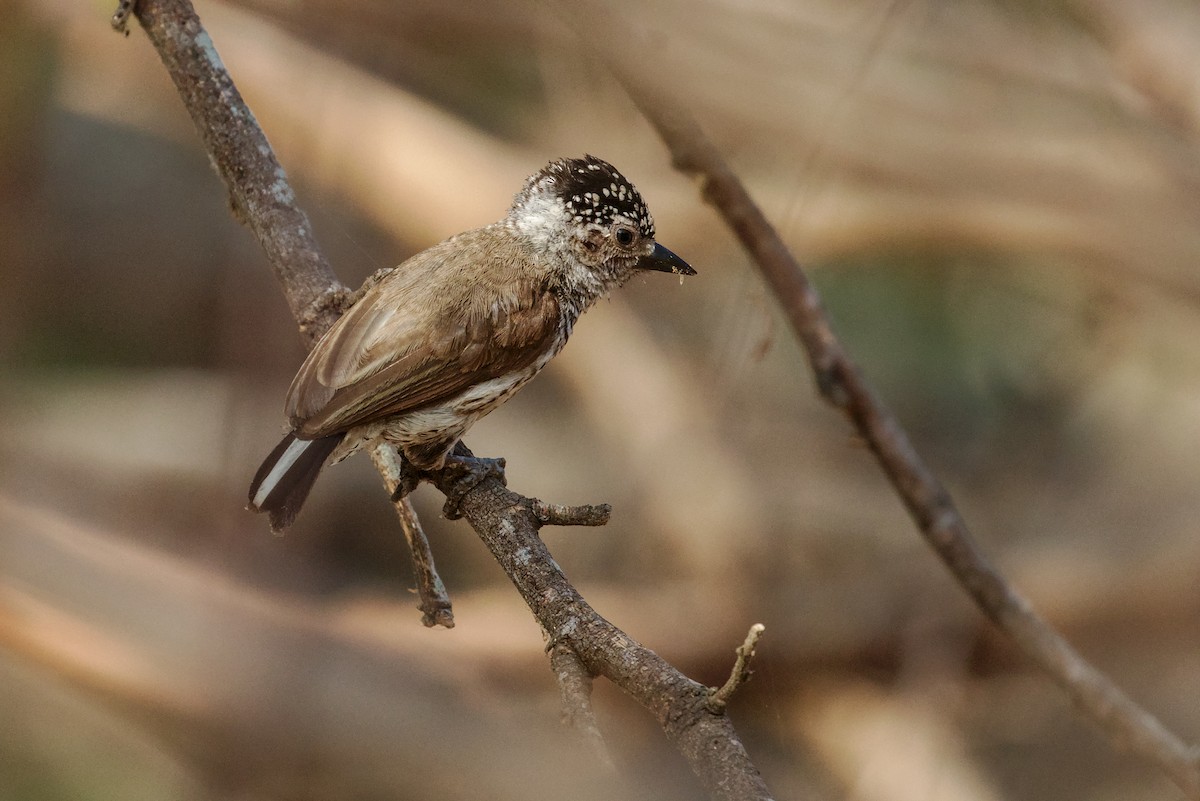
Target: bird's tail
[{"x": 282, "y": 483}]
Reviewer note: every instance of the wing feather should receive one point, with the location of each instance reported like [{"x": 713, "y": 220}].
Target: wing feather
[{"x": 403, "y": 346}]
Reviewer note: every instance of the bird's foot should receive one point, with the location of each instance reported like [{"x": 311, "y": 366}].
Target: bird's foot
[
  {"x": 410, "y": 477},
  {"x": 466, "y": 473}
]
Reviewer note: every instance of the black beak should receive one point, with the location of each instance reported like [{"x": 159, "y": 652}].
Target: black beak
[{"x": 664, "y": 261}]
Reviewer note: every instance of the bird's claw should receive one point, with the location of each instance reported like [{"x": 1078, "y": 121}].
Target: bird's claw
[
  {"x": 410, "y": 477},
  {"x": 466, "y": 473}
]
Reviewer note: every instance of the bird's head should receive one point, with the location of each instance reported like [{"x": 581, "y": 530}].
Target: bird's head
[{"x": 587, "y": 211}]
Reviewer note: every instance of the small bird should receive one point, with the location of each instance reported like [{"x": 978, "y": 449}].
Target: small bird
[{"x": 456, "y": 330}]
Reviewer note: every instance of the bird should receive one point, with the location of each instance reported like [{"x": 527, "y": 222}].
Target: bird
[{"x": 456, "y": 330}]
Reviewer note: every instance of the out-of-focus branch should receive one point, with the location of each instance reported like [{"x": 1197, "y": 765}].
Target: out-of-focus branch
[
  {"x": 1155, "y": 54},
  {"x": 575, "y": 690},
  {"x": 507, "y": 522},
  {"x": 247, "y": 714},
  {"x": 841, "y": 383}
]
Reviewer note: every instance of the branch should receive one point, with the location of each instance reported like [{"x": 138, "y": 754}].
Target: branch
[
  {"x": 557, "y": 514},
  {"x": 506, "y": 522},
  {"x": 841, "y": 383},
  {"x": 262, "y": 199},
  {"x": 741, "y": 670},
  {"x": 508, "y": 525},
  {"x": 434, "y": 600},
  {"x": 575, "y": 688},
  {"x": 259, "y": 193}
]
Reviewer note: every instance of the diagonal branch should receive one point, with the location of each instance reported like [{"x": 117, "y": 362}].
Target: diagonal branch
[
  {"x": 507, "y": 523},
  {"x": 259, "y": 193},
  {"x": 262, "y": 199},
  {"x": 842, "y": 384}
]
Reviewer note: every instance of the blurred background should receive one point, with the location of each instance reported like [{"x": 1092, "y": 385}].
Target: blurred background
[{"x": 999, "y": 201}]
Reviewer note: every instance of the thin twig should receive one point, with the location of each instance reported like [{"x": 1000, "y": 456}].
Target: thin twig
[
  {"x": 575, "y": 690},
  {"x": 557, "y": 514},
  {"x": 434, "y": 603},
  {"x": 503, "y": 519},
  {"x": 120, "y": 17},
  {"x": 740, "y": 674},
  {"x": 841, "y": 382}
]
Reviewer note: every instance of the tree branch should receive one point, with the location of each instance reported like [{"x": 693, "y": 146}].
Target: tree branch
[
  {"x": 740, "y": 674},
  {"x": 841, "y": 383},
  {"x": 259, "y": 193},
  {"x": 575, "y": 688},
  {"x": 557, "y": 514},
  {"x": 508, "y": 525},
  {"x": 506, "y": 522},
  {"x": 262, "y": 199},
  {"x": 434, "y": 603}
]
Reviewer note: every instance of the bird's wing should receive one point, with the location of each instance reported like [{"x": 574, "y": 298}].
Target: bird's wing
[{"x": 404, "y": 346}]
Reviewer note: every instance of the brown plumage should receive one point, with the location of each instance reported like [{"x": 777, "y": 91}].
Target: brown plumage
[{"x": 453, "y": 332}]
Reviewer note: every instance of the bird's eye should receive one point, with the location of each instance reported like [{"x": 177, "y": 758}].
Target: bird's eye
[{"x": 624, "y": 237}]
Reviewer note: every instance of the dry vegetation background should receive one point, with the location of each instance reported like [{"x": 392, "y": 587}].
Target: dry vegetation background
[{"x": 1000, "y": 202}]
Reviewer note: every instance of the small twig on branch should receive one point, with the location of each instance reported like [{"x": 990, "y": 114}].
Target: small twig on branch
[
  {"x": 434, "y": 603},
  {"x": 575, "y": 689},
  {"x": 557, "y": 514},
  {"x": 120, "y": 17},
  {"x": 740, "y": 674},
  {"x": 841, "y": 383}
]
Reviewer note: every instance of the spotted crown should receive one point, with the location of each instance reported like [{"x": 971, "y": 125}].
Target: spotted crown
[{"x": 593, "y": 191}]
